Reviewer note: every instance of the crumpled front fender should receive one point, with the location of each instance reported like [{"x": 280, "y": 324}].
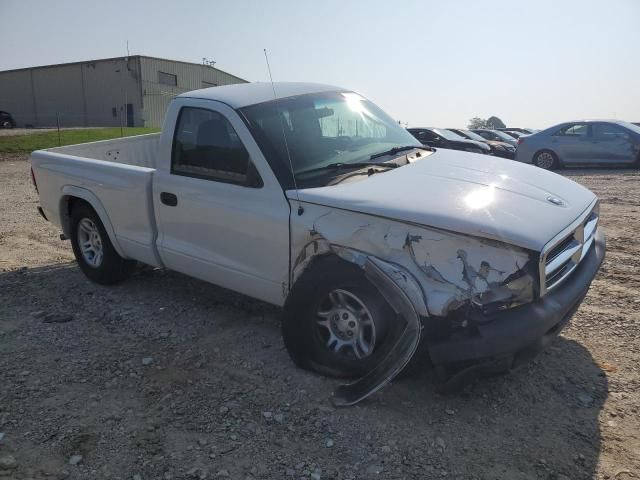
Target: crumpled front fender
[{"x": 421, "y": 272}]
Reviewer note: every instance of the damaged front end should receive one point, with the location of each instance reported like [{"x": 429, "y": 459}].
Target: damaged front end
[{"x": 435, "y": 280}]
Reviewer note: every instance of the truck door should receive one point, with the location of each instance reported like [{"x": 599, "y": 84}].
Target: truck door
[{"x": 222, "y": 216}]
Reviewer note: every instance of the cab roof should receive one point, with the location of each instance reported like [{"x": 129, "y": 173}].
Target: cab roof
[{"x": 244, "y": 94}]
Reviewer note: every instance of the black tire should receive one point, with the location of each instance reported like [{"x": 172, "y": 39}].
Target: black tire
[
  {"x": 546, "y": 159},
  {"x": 112, "y": 268},
  {"x": 303, "y": 337}
]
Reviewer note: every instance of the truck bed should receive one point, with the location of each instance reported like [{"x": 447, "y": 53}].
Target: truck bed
[
  {"x": 115, "y": 177},
  {"x": 140, "y": 150}
]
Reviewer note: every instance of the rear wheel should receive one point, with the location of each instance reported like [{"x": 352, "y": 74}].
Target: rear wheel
[
  {"x": 93, "y": 249},
  {"x": 336, "y": 322},
  {"x": 546, "y": 160}
]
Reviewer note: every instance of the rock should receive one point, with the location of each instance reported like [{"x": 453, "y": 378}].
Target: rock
[
  {"x": 267, "y": 414},
  {"x": 386, "y": 449},
  {"x": 57, "y": 318},
  {"x": 222, "y": 474},
  {"x": 147, "y": 361},
  {"x": 1, "y": 436},
  {"x": 224, "y": 410},
  {"x": 290, "y": 472},
  {"x": 38, "y": 314},
  {"x": 448, "y": 411},
  {"x": 374, "y": 469},
  {"x": 75, "y": 459},
  {"x": 278, "y": 417},
  {"x": 329, "y": 443},
  {"x": 8, "y": 462},
  {"x": 137, "y": 476},
  {"x": 440, "y": 443}
]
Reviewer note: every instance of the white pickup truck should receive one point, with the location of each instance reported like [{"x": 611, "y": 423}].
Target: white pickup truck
[{"x": 311, "y": 198}]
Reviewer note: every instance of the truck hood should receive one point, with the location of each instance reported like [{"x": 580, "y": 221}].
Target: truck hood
[{"x": 467, "y": 193}]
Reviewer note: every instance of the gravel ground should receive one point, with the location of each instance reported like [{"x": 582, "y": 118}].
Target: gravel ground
[{"x": 166, "y": 377}]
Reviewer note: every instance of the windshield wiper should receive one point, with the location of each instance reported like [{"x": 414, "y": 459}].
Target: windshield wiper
[
  {"x": 394, "y": 150},
  {"x": 349, "y": 166}
]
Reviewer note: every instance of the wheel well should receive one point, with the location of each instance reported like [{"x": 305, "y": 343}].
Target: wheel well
[
  {"x": 67, "y": 204},
  {"x": 316, "y": 266}
]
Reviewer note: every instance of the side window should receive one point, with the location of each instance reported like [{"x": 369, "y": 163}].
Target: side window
[
  {"x": 608, "y": 131},
  {"x": 205, "y": 145},
  {"x": 573, "y": 130},
  {"x": 429, "y": 135}
]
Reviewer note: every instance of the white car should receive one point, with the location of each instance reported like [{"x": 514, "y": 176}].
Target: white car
[{"x": 313, "y": 199}]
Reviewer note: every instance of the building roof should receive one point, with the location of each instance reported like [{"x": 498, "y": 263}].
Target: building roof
[
  {"x": 244, "y": 94},
  {"x": 116, "y": 58}
]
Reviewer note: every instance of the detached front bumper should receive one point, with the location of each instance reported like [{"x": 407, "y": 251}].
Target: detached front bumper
[{"x": 517, "y": 334}]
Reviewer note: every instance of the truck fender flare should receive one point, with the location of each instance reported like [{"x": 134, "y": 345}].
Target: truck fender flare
[
  {"x": 69, "y": 191},
  {"x": 404, "y": 348}
]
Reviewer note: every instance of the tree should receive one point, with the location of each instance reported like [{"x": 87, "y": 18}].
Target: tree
[
  {"x": 495, "y": 122},
  {"x": 477, "y": 122}
]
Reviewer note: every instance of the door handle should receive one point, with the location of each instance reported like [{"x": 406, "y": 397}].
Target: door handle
[{"x": 168, "y": 199}]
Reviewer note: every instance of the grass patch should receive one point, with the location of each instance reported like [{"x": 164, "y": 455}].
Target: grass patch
[{"x": 37, "y": 141}]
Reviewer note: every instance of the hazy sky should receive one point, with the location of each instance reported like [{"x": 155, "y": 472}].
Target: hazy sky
[{"x": 532, "y": 63}]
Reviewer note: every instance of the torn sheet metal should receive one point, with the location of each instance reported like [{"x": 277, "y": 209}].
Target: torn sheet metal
[{"x": 448, "y": 269}]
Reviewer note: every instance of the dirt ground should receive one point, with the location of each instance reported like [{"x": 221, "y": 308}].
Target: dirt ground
[{"x": 166, "y": 377}]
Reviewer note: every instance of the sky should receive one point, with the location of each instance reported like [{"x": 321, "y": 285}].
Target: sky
[{"x": 427, "y": 63}]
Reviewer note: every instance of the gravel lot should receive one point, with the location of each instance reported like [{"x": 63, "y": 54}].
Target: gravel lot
[{"x": 165, "y": 377}]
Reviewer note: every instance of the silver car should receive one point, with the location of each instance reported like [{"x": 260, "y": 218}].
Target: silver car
[{"x": 587, "y": 142}]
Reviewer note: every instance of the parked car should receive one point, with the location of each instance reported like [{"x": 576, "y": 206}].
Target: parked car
[
  {"x": 499, "y": 149},
  {"x": 6, "y": 120},
  {"x": 592, "y": 142},
  {"x": 495, "y": 135},
  {"x": 442, "y": 138},
  {"x": 311, "y": 198}
]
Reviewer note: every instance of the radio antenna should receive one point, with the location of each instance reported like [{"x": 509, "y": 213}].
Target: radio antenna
[{"x": 284, "y": 136}]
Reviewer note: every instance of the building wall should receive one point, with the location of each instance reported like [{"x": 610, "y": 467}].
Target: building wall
[
  {"x": 75, "y": 95},
  {"x": 94, "y": 93},
  {"x": 189, "y": 76},
  {"x": 16, "y": 96},
  {"x": 110, "y": 84}
]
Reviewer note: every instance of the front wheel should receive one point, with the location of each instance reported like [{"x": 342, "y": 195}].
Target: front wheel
[
  {"x": 93, "y": 249},
  {"x": 545, "y": 160},
  {"x": 336, "y": 322}
]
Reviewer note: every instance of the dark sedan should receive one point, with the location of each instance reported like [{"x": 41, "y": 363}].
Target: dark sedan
[
  {"x": 442, "y": 138},
  {"x": 498, "y": 149},
  {"x": 6, "y": 120}
]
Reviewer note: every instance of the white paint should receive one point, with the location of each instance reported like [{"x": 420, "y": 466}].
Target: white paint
[{"x": 468, "y": 193}]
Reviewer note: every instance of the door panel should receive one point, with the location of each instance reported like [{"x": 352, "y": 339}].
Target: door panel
[
  {"x": 573, "y": 144},
  {"x": 213, "y": 227},
  {"x": 611, "y": 144}
]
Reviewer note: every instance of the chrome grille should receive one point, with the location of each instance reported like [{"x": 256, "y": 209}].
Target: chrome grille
[{"x": 561, "y": 257}]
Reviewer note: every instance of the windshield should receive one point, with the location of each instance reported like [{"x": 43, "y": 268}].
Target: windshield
[
  {"x": 473, "y": 136},
  {"x": 321, "y": 129},
  {"x": 448, "y": 134},
  {"x": 631, "y": 126}
]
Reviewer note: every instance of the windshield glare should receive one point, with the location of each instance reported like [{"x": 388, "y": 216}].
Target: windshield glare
[
  {"x": 473, "y": 136},
  {"x": 321, "y": 129},
  {"x": 448, "y": 134}
]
